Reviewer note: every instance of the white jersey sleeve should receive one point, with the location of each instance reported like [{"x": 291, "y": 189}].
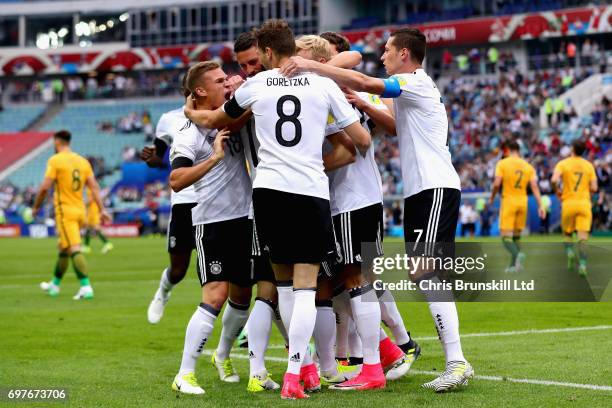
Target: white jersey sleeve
[
  {"x": 243, "y": 98},
  {"x": 185, "y": 145},
  {"x": 246, "y": 95},
  {"x": 164, "y": 128},
  {"x": 341, "y": 110},
  {"x": 332, "y": 126},
  {"x": 169, "y": 126}
]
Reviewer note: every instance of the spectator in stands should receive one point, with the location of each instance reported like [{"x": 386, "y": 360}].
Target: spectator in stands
[
  {"x": 474, "y": 57},
  {"x": 462, "y": 63},
  {"x": 571, "y": 53},
  {"x": 486, "y": 218},
  {"x": 468, "y": 217},
  {"x": 91, "y": 86},
  {"x": 58, "y": 90},
  {"x": 129, "y": 154},
  {"x": 493, "y": 58},
  {"x": 447, "y": 60}
]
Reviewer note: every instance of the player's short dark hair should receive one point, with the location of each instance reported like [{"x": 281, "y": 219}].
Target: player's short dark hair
[
  {"x": 195, "y": 73},
  {"x": 63, "y": 135},
  {"x": 341, "y": 42},
  {"x": 276, "y": 35},
  {"x": 579, "y": 147},
  {"x": 513, "y": 146},
  {"x": 245, "y": 41},
  {"x": 413, "y": 40}
]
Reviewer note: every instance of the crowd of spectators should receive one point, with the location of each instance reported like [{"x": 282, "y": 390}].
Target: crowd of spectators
[
  {"x": 93, "y": 86},
  {"x": 483, "y": 112}
]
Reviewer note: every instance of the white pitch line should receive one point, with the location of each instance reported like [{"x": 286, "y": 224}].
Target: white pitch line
[
  {"x": 477, "y": 377},
  {"x": 505, "y": 333}
]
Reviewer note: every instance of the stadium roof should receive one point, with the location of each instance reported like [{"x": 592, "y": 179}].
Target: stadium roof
[{"x": 89, "y": 6}]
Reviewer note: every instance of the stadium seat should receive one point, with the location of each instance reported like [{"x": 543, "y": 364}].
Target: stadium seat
[{"x": 17, "y": 118}]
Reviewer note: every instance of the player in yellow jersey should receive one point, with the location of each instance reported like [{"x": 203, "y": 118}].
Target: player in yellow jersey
[
  {"x": 579, "y": 180},
  {"x": 68, "y": 173},
  {"x": 513, "y": 174},
  {"x": 92, "y": 225}
]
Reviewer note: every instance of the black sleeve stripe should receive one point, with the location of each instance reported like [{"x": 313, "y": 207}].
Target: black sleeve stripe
[
  {"x": 232, "y": 108},
  {"x": 160, "y": 147},
  {"x": 181, "y": 162}
]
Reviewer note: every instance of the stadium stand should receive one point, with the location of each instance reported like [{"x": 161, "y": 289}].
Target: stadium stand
[
  {"x": 91, "y": 137},
  {"x": 17, "y": 117}
]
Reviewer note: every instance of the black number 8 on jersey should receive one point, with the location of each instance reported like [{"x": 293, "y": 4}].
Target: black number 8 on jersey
[{"x": 293, "y": 118}]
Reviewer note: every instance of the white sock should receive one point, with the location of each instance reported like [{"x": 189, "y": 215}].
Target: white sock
[
  {"x": 325, "y": 336},
  {"x": 341, "y": 304},
  {"x": 366, "y": 315},
  {"x": 234, "y": 318},
  {"x": 164, "y": 283},
  {"x": 278, "y": 322},
  {"x": 392, "y": 318},
  {"x": 382, "y": 334},
  {"x": 342, "y": 320},
  {"x": 354, "y": 341},
  {"x": 300, "y": 330},
  {"x": 258, "y": 329},
  {"x": 446, "y": 319},
  {"x": 198, "y": 331},
  {"x": 285, "y": 308},
  {"x": 285, "y": 304}
]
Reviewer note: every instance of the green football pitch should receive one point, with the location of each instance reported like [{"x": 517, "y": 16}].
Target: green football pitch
[{"x": 106, "y": 354}]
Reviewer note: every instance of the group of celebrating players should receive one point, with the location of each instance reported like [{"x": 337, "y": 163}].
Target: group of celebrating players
[
  {"x": 296, "y": 226},
  {"x": 275, "y": 184}
]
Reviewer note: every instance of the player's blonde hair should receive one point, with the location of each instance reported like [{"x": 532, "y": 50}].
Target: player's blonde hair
[
  {"x": 319, "y": 46},
  {"x": 194, "y": 76}
]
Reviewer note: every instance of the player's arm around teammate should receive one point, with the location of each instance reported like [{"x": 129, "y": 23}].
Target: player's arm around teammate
[
  {"x": 342, "y": 154},
  {"x": 381, "y": 117}
]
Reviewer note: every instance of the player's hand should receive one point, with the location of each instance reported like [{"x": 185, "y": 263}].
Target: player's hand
[
  {"x": 147, "y": 152},
  {"x": 220, "y": 139},
  {"x": 234, "y": 82},
  {"x": 105, "y": 217},
  {"x": 353, "y": 98},
  {"x": 542, "y": 212},
  {"x": 190, "y": 107},
  {"x": 294, "y": 66}
]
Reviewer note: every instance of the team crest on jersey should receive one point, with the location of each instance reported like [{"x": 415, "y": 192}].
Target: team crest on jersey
[
  {"x": 172, "y": 242},
  {"x": 401, "y": 80},
  {"x": 375, "y": 99},
  {"x": 215, "y": 267}
]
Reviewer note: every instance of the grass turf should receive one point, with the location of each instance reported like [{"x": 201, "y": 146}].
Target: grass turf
[{"x": 106, "y": 354}]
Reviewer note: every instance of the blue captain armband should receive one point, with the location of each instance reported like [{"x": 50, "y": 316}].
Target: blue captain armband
[{"x": 392, "y": 88}]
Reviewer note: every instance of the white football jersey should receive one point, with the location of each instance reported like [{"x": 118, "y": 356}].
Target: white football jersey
[
  {"x": 290, "y": 119},
  {"x": 169, "y": 125},
  {"x": 224, "y": 193},
  {"x": 422, "y": 128},
  {"x": 357, "y": 185},
  {"x": 251, "y": 146}
]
